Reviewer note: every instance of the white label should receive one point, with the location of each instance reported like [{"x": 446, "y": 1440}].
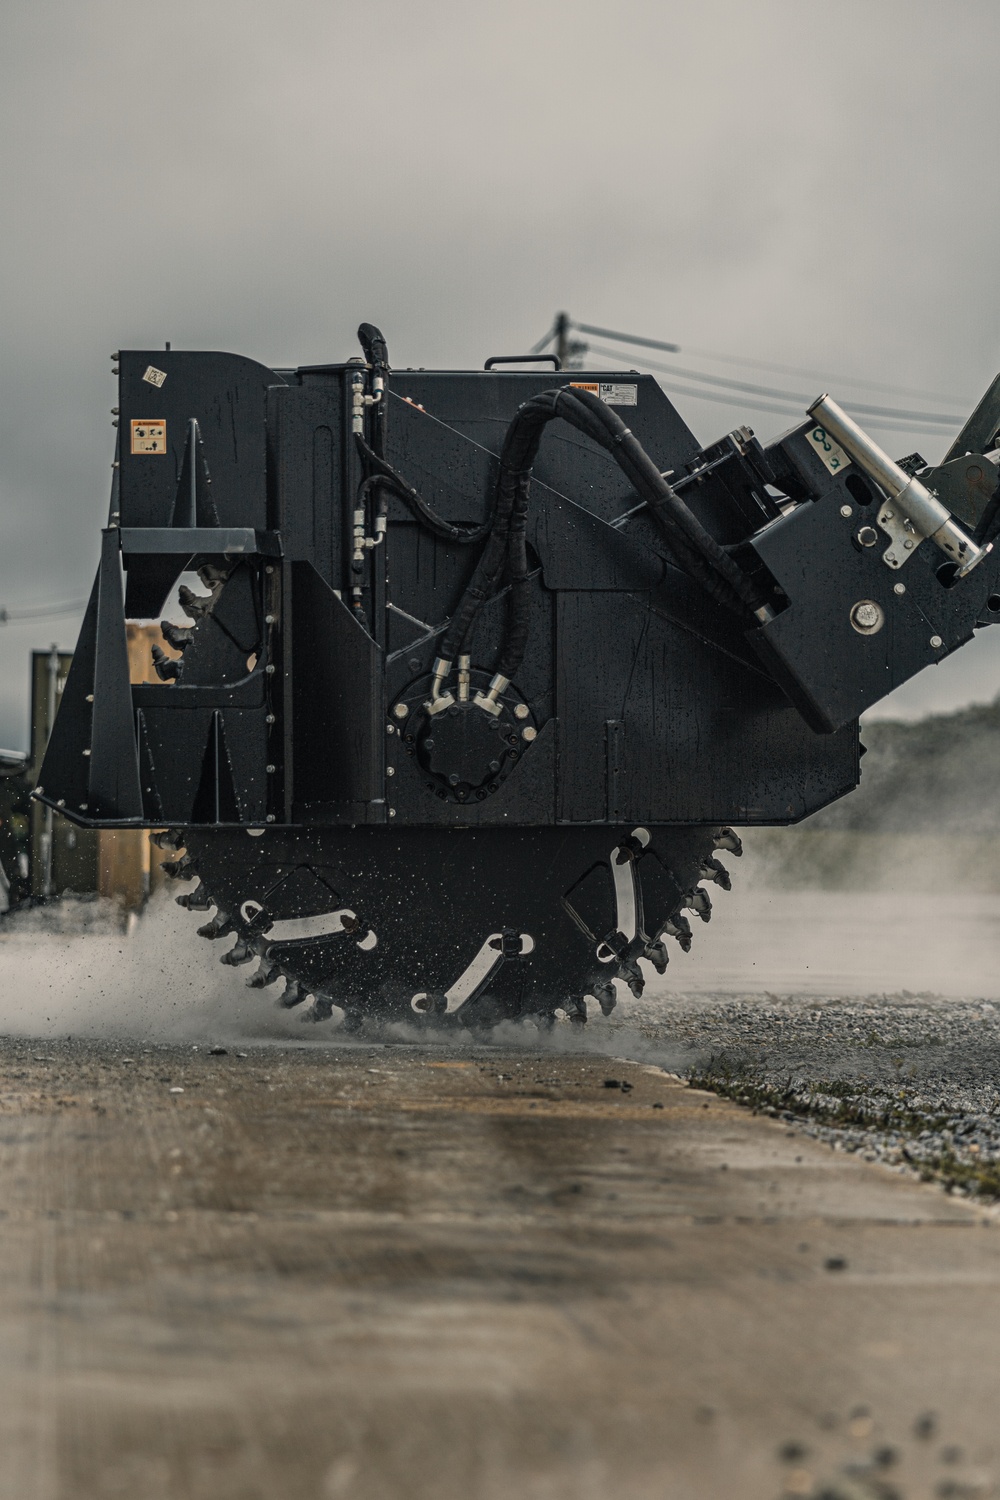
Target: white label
[
  {"x": 620, "y": 395},
  {"x": 609, "y": 392},
  {"x": 149, "y": 435},
  {"x": 830, "y": 452},
  {"x": 154, "y": 376}
]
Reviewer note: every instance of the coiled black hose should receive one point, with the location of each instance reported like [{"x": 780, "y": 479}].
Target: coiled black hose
[{"x": 692, "y": 546}]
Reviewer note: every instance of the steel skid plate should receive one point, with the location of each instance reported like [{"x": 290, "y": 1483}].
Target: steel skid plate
[{"x": 475, "y": 925}]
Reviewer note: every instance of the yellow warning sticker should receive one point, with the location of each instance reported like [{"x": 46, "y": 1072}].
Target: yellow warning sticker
[
  {"x": 149, "y": 435},
  {"x": 611, "y": 392}
]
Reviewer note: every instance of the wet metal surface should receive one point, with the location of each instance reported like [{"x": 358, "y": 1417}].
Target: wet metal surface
[{"x": 378, "y": 1272}]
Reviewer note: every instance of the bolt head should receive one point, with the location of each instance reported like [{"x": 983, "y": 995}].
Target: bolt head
[
  {"x": 846, "y": 512},
  {"x": 936, "y": 642},
  {"x": 899, "y": 588},
  {"x": 401, "y": 710},
  {"x": 390, "y": 770},
  {"x": 867, "y": 617},
  {"x": 521, "y": 711},
  {"x": 867, "y": 536},
  {"x": 528, "y": 732}
]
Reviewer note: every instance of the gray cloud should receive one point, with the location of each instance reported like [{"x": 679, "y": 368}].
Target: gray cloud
[{"x": 802, "y": 185}]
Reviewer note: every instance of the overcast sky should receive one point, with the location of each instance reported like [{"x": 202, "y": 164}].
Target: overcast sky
[{"x": 801, "y": 184}]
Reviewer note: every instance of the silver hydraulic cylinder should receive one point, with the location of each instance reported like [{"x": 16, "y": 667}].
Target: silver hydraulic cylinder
[{"x": 912, "y": 513}]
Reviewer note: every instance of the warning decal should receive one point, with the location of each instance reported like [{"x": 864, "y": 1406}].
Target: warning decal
[
  {"x": 149, "y": 435},
  {"x": 609, "y": 391}
]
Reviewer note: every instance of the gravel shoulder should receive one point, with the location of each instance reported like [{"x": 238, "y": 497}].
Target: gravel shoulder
[{"x": 910, "y": 1081}]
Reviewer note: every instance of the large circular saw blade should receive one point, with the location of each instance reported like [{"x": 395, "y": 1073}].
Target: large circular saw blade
[{"x": 474, "y": 924}]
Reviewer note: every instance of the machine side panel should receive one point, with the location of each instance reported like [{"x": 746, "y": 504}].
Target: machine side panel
[
  {"x": 338, "y": 734},
  {"x": 312, "y": 474},
  {"x": 658, "y": 725},
  {"x": 227, "y": 396},
  {"x": 448, "y": 450}
]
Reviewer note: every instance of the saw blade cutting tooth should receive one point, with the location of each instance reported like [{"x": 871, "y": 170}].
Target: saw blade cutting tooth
[
  {"x": 268, "y": 973},
  {"x": 320, "y": 1010},
  {"x": 606, "y": 996},
  {"x": 242, "y": 952},
  {"x": 167, "y": 668},
  {"x": 221, "y": 925},
  {"x": 711, "y": 869},
  {"x": 292, "y": 995},
  {"x": 179, "y": 869},
  {"x": 196, "y": 900},
  {"x": 169, "y": 838},
  {"x": 727, "y": 838},
  {"x": 700, "y": 902},
  {"x": 177, "y": 636},
  {"x": 195, "y": 606},
  {"x": 678, "y": 927},
  {"x": 213, "y": 577},
  {"x": 656, "y": 952},
  {"x": 630, "y": 972}
]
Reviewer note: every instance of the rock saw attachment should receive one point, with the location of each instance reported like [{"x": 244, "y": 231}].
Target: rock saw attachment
[{"x": 470, "y": 673}]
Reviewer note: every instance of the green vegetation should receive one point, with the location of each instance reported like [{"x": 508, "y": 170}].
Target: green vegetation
[{"x": 909, "y": 1133}]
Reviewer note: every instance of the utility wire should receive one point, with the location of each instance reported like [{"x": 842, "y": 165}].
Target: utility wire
[
  {"x": 675, "y": 388},
  {"x": 861, "y": 409},
  {"x": 626, "y": 338},
  {"x": 42, "y": 611},
  {"x": 758, "y": 364}
]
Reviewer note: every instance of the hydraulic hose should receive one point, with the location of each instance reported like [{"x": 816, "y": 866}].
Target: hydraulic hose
[
  {"x": 384, "y": 476},
  {"x": 693, "y": 547}
]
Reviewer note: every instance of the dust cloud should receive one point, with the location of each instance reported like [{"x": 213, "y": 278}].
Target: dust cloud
[{"x": 70, "y": 970}]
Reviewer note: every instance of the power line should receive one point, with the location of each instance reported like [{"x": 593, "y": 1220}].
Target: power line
[
  {"x": 743, "y": 386},
  {"x": 627, "y": 338},
  {"x": 42, "y": 611},
  {"x": 738, "y": 359},
  {"x": 755, "y": 404}
]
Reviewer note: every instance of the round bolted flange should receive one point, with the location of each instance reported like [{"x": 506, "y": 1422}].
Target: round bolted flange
[{"x": 867, "y": 617}]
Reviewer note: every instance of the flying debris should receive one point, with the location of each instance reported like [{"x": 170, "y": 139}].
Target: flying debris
[{"x": 481, "y": 667}]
